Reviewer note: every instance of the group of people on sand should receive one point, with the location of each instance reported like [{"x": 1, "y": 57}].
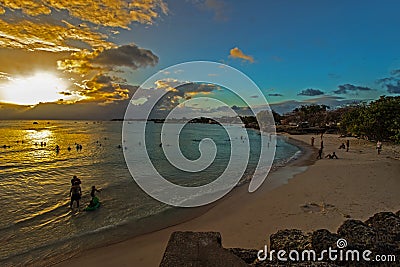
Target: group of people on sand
[
  {"x": 342, "y": 146},
  {"x": 76, "y": 192},
  {"x": 345, "y": 146},
  {"x": 321, "y": 149}
]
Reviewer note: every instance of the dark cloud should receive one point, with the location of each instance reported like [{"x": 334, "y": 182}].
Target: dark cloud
[
  {"x": 130, "y": 56},
  {"x": 96, "y": 66},
  {"x": 105, "y": 89},
  {"x": 242, "y": 111},
  {"x": 64, "y": 111},
  {"x": 391, "y": 84},
  {"x": 393, "y": 89},
  {"x": 177, "y": 94},
  {"x": 384, "y": 81},
  {"x": 349, "y": 88},
  {"x": 331, "y": 101},
  {"x": 311, "y": 92},
  {"x": 276, "y": 94},
  {"x": 395, "y": 72},
  {"x": 66, "y": 93}
]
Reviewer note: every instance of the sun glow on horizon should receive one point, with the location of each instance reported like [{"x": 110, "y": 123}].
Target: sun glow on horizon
[{"x": 40, "y": 87}]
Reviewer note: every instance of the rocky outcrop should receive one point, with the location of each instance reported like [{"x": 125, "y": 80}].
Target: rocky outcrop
[
  {"x": 290, "y": 240},
  {"x": 198, "y": 250},
  {"x": 379, "y": 234}
]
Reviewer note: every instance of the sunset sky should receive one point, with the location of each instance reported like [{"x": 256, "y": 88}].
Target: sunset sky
[{"x": 84, "y": 59}]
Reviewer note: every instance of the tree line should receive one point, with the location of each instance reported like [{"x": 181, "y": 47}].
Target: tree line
[{"x": 377, "y": 120}]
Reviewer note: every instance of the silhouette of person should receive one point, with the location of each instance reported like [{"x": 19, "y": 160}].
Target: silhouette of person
[
  {"x": 75, "y": 179},
  {"x": 379, "y": 147},
  {"x": 75, "y": 194},
  {"x": 319, "y": 154}
]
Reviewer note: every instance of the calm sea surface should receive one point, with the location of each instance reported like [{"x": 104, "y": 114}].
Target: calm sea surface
[{"x": 36, "y": 221}]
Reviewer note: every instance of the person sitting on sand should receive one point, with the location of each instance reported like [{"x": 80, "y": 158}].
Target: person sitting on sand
[
  {"x": 333, "y": 156},
  {"x": 342, "y": 146},
  {"x": 75, "y": 194}
]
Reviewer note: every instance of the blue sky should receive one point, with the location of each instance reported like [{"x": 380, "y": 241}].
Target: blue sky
[{"x": 296, "y": 45}]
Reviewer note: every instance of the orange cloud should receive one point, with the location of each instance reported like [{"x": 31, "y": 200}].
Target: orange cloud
[
  {"x": 49, "y": 33},
  {"x": 237, "y": 53},
  {"x": 111, "y": 13},
  {"x": 102, "y": 88},
  {"x": 32, "y": 36},
  {"x": 111, "y": 59},
  {"x": 81, "y": 49}
]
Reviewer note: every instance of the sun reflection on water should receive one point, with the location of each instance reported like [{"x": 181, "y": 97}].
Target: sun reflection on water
[
  {"x": 37, "y": 136},
  {"x": 40, "y": 138}
]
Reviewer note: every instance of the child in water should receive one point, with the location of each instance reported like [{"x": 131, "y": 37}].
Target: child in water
[{"x": 94, "y": 200}]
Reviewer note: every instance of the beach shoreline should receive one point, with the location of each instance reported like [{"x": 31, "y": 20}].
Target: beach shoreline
[{"x": 354, "y": 186}]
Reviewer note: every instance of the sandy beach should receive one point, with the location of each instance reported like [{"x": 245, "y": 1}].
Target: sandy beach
[{"x": 329, "y": 191}]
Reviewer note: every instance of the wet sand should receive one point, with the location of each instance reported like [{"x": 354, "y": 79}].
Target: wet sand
[{"x": 329, "y": 191}]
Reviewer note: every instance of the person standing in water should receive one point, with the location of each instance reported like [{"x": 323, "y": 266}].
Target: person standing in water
[
  {"x": 75, "y": 193},
  {"x": 75, "y": 179}
]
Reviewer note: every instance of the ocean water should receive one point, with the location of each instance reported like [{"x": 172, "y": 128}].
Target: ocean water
[{"x": 37, "y": 223}]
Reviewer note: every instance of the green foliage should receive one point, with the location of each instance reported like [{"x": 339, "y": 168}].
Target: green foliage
[
  {"x": 380, "y": 120},
  {"x": 315, "y": 115}
]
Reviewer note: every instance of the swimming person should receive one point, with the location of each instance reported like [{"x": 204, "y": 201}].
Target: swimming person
[{"x": 75, "y": 194}]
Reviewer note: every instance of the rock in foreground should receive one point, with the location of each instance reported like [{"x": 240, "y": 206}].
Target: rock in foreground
[{"x": 380, "y": 234}]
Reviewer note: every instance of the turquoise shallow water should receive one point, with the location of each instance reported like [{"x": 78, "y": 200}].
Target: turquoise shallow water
[{"x": 37, "y": 222}]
